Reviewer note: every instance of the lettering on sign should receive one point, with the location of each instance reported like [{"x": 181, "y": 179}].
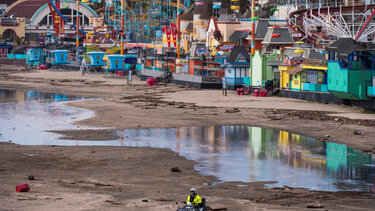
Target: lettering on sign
[
  {"x": 201, "y": 51},
  {"x": 226, "y": 46}
]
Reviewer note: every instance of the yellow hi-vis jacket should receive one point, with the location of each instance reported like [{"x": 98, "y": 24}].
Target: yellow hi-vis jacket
[{"x": 194, "y": 199}]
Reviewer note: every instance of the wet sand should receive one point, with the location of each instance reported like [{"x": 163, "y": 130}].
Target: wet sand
[{"x": 120, "y": 178}]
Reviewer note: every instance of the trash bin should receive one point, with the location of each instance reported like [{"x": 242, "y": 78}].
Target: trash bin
[
  {"x": 265, "y": 93},
  {"x": 261, "y": 93},
  {"x": 256, "y": 92},
  {"x": 154, "y": 81}
]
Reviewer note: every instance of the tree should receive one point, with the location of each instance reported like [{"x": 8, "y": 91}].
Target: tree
[{"x": 19, "y": 40}]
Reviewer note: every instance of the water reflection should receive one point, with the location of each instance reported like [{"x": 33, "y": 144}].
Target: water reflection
[
  {"x": 231, "y": 153},
  {"x": 25, "y": 115},
  {"x": 242, "y": 153}
]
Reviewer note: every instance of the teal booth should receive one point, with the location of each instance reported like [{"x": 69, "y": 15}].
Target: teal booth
[
  {"x": 115, "y": 62},
  {"x": 34, "y": 56},
  {"x": 61, "y": 57},
  {"x": 96, "y": 58}
]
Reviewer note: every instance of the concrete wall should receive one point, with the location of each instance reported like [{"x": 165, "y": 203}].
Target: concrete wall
[
  {"x": 227, "y": 29},
  {"x": 328, "y": 98},
  {"x": 189, "y": 78}
]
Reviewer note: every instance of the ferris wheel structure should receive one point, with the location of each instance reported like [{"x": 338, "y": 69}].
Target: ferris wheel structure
[{"x": 323, "y": 23}]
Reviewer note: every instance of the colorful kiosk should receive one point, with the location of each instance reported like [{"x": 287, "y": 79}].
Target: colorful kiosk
[
  {"x": 115, "y": 65},
  {"x": 60, "y": 59},
  {"x": 34, "y": 56},
  {"x": 96, "y": 61}
]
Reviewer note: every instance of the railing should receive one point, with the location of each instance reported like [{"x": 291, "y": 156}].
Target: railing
[
  {"x": 314, "y": 87},
  {"x": 336, "y": 3},
  {"x": 274, "y": 88}
]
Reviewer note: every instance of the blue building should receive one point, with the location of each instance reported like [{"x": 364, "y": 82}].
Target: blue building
[{"x": 236, "y": 65}]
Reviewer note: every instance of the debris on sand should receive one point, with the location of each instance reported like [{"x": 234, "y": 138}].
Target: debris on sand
[
  {"x": 217, "y": 209},
  {"x": 356, "y": 132},
  {"x": 233, "y": 110},
  {"x": 314, "y": 205},
  {"x": 181, "y": 106},
  {"x": 283, "y": 188},
  {"x": 22, "y": 188},
  {"x": 259, "y": 200},
  {"x": 175, "y": 169},
  {"x": 31, "y": 177}
]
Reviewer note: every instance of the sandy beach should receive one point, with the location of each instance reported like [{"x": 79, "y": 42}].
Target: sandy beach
[{"x": 121, "y": 178}]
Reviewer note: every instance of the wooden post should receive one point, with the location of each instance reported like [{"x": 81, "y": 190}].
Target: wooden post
[{"x": 224, "y": 85}]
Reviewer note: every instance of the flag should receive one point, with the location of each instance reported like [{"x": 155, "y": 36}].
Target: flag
[
  {"x": 168, "y": 36},
  {"x": 164, "y": 38},
  {"x": 174, "y": 34}
]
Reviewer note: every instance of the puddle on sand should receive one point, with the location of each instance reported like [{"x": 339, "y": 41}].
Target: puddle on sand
[
  {"x": 231, "y": 153},
  {"x": 24, "y": 115}
]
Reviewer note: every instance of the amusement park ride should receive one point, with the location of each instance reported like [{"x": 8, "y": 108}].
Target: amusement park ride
[
  {"x": 142, "y": 21},
  {"x": 321, "y": 24}
]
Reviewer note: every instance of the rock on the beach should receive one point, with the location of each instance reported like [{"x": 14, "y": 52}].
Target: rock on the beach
[
  {"x": 314, "y": 205},
  {"x": 356, "y": 132},
  {"x": 175, "y": 169},
  {"x": 31, "y": 177},
  {"x": 234, "y": 110}
]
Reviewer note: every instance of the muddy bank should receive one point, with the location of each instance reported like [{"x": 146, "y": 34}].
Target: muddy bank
[
  {"x": 120, "y": 178},
  {"x": 169, "y": 105}
]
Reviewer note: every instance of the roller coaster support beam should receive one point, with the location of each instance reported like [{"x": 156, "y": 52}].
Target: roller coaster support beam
[{"x": 365, "y": 25}]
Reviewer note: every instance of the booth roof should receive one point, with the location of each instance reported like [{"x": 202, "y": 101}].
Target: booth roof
[
  {"x": 344, "y": 47},
  {"x": 239, "y": 35}
]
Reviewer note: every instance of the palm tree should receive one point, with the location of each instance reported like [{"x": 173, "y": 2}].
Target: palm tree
[{"x": 19, "y": 40}]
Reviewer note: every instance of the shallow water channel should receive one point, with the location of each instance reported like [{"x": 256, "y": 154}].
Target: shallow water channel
[{"x": 231, "y": 153}]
